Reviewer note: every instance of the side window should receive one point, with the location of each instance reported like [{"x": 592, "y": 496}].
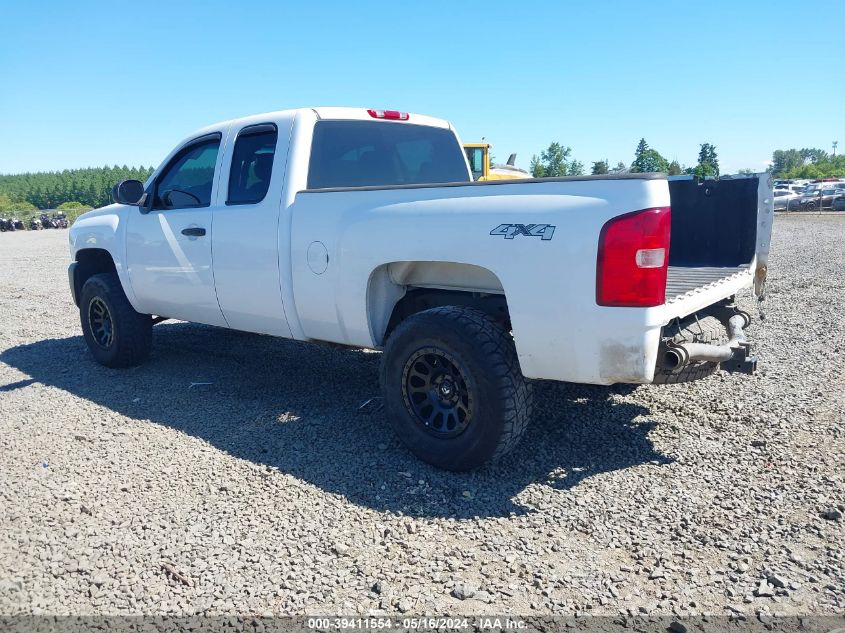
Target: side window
[
  {"x": 186, "y": 182},
  {"x": 475, "y": 156},
  {"x": 252, "y": 164}
]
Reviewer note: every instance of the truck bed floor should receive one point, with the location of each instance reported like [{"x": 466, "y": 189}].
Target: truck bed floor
[{"x": 681, "y": 281}]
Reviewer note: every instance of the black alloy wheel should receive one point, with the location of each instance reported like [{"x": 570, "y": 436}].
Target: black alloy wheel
[
  {"x": 100, "y": 323},
  {"x": 436, "y": 393}
]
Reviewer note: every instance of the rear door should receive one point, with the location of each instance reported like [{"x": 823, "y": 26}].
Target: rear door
[
  {"x": 246, "y": 227},
  {"x": 168, "y": 244}
]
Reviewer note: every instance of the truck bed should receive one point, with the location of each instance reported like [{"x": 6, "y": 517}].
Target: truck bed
[
  {"x": 681, "y": 281},
  {"x": 714, "y": 241}
]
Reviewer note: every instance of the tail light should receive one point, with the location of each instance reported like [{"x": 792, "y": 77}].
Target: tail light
[
  {"x": 633, "y": 259},
  {"x": 392, "y": 115}
]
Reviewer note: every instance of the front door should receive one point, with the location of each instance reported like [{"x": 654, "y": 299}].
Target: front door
[{"x": 168, "y": 241}]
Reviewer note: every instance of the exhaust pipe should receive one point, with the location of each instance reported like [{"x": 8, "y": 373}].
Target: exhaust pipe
[
  {"x": 678, "y": 356},
  {"x": 675, "y": 359}
]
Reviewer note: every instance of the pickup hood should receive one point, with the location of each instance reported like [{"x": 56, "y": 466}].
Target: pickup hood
[{"x": 95, "y": 213}]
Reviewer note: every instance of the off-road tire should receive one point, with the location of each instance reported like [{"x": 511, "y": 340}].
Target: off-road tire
[
  {"x": 705, "y": 330},
  {"x": 132, "y": 332},
  {"x": 483, "y": 352}
]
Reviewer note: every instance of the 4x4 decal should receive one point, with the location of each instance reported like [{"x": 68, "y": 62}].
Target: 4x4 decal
[{"x": 510, "y": 231}]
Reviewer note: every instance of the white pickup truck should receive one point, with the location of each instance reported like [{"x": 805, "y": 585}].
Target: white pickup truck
[{"x": 364, "y": 228}]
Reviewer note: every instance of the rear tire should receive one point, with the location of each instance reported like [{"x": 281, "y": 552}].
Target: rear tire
[
  {"x": 453, "y": 389},
  {"x": 116, "y": 335}
]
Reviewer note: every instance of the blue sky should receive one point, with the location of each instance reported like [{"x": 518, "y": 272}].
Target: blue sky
[{"x": 94, "y": 83}]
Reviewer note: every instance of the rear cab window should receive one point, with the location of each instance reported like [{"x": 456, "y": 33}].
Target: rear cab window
[{"x": 377, "y": 153}]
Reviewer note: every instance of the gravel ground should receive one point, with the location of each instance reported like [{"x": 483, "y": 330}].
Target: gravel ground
[{"x": 267, "y": 492}]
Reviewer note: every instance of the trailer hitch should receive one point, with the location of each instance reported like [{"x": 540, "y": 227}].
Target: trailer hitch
[{"x": 742, "y": 361}]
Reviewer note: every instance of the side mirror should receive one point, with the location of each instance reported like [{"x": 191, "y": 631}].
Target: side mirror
[{"x": 128, "y": 192}]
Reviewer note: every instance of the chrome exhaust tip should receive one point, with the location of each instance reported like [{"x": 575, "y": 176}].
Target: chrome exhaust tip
[{"x": 674, "y": 359}]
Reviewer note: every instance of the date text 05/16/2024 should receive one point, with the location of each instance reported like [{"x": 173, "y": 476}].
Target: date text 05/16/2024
[{"x": 416, "y": 623}]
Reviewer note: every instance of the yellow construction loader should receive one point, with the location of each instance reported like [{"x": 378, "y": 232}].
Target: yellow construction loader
[{"x": 478, "y": 155}]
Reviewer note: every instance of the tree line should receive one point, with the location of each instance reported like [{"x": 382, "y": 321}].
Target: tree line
[
  {"x": 90, "y": 187},
  {"x": 807, "y": 163},
  {"x": 557, "y": 160}
]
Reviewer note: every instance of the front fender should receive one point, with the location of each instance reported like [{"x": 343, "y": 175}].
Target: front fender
[{"x": 105, "y": 229}]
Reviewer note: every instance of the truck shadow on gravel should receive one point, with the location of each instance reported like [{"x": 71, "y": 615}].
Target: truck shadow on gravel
[{"x": 293, "y": 407}]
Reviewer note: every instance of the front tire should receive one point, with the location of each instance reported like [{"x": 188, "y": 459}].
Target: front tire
[
  {"x": 453, "y": 389},
  {"x": 116, "y": 335}
]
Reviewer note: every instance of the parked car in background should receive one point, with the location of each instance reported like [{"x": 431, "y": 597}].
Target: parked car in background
[
  {"x": 6, "y": 225},
  {"x": 779, "y": 191},
  {"x": 806, "y": 195},
  {"x": 793, "y": 203},
  {"x": 782, "y": 198},
  {"x": 818, "y": 198},
  {"x": 839, "y": 201}
]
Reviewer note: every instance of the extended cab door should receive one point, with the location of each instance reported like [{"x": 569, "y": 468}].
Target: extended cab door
[
  {"x": 168, "y": 241},
  {"x": 246, "y": 227}
]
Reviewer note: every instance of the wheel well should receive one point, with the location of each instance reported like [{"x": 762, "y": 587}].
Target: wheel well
[
  {"x": 91, "y": 261},
  {"x": 397, "y": 290},
  {"x": 420, "y": 299}
]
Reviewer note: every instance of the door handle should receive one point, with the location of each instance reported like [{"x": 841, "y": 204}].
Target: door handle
[{"x": 194, "y": 231}]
